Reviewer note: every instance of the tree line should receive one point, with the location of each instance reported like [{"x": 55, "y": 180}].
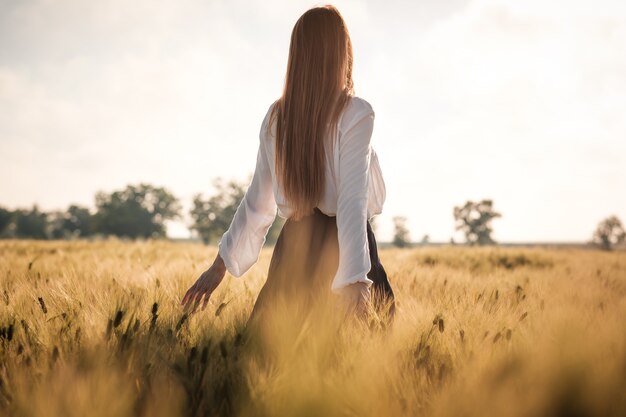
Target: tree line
[
  {"x": 474, "y": 220},
  {"x": 137, "y": 211},
  {"x": 141, "y": 210}
]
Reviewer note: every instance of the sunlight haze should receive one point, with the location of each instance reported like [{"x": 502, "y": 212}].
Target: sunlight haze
[{"x": 523, "y": 103}]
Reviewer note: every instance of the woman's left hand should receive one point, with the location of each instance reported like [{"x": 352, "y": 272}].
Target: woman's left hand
[
  {"x": 356, "y": 299},
  {"x": 204, "y": 286}
]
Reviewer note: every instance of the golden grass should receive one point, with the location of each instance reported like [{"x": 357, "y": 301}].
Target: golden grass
[{"x": 96, "y": 328}]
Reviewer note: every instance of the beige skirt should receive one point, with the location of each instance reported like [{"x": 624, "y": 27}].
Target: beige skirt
[{"x": 303, "y": 265}]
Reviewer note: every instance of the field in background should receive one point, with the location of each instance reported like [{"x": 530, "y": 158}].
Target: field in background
[{"x": 96, "y": 328}]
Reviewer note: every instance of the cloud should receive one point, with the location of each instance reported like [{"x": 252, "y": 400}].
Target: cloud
[
  {"x": 522, "y": 106},
  {"x": 521, "y": 102}
]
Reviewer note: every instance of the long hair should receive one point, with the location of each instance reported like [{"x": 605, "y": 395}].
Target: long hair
[{"x": 318, "y": 85}]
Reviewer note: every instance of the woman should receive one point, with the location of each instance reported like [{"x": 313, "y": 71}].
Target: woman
[{"x": 317, "y": 168}]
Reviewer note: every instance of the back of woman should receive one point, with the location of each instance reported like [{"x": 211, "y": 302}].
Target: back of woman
[
  {"x": 316, "y": 167},
  {"x": 355, "y": 111}
]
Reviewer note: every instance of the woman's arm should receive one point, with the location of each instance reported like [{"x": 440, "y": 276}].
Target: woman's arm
[
  {"x": 205, "y": 285},
  {"x": 352, "y": 200},
  {"x": 241, "y": 244}
]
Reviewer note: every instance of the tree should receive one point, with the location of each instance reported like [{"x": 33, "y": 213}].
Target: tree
[
  {"x": 31, "y": 224},
  {"x": 474, "y": 219},
  {"x": 212, "y": 216},
  {"x": 6, "y": 218},
  {"x": 274, "y": 231},
  {"x": 54, "y": 227},
  {"x": 401, "y": 234},
  {"x": 79, "y": 221},
  {"x": 75, "y": 222},
  {"x": 137, "y": 211},
  {"x": 609, "y": 233}
]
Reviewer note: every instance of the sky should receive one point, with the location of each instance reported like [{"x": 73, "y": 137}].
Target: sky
[{"x": 521, "y": 102}]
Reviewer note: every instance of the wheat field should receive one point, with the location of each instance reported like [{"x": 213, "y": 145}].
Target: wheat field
[{"x": 96, "y": 329}]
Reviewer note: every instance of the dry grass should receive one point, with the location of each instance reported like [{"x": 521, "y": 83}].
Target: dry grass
[{"x": 95, "y": 328}]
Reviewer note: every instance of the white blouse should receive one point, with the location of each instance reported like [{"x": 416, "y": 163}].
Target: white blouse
[{"x": 354, "y": 193}]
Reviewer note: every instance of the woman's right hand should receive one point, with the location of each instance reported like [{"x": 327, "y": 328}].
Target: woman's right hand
[{"x": 204, "y": 286}]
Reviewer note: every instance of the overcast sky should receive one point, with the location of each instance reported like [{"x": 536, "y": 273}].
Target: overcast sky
[{"x": 522, "y": 102}]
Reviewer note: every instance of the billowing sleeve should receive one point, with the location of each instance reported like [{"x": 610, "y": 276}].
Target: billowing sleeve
[
  {"x": 352, "y": 201},
  {"x": 241, "y": 244}
]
